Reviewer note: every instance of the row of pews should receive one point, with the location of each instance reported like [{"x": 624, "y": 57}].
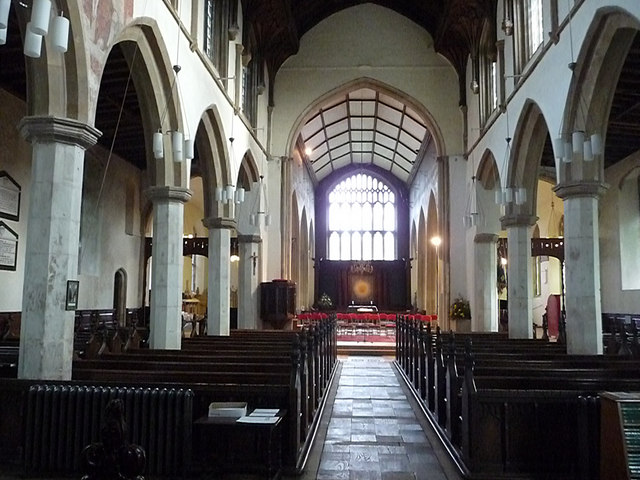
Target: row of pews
[
  {"x": 288, "y": 370},
  {"x": 511, "y": 408}
]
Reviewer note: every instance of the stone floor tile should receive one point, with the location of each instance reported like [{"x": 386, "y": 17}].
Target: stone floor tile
[{"x": 373, "y": 432}]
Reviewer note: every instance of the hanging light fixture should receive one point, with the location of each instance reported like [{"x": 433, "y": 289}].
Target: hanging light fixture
[
  {"x": 507, "y": 18},
  {"x": 579, "y": 145},
  {"x": 182, "y": 149},
  {"x": 260, "y": 206},
  {"x": 505, "y": 195},
  {"x": 39, "y": 26},
  {"x": 509, "y": 194},
  {"x": 473, "y": 214}
]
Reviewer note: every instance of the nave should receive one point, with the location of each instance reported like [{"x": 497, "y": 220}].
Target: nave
[{"x": 373, "y": 430}]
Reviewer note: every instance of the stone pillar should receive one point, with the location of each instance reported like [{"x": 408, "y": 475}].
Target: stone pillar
[
  {"x": 219, "y": 288},
  {"x": 248, "y": 280},
  {"x": 484, "y": 305},
  {"x": 582, "y": 267},
  {"x": 167, "y": 266},
  {"x": 520, "y": 289},
  {"x": 51, "y": 258}
]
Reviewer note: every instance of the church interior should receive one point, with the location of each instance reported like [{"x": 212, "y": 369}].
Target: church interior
[{"x": 212, "y": 201}]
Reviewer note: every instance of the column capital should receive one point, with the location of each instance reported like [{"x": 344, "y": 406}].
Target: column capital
[
  {"x": 177, "y": 194},
  {"x": 49, "y": 129},
  {"x": 219, "y": 222},
  {"x": 518, "y": 220},
  {"x": 485, "y": 238},
  {"x": 580, "y": 189},
  {"x": 249, "y": 239}
]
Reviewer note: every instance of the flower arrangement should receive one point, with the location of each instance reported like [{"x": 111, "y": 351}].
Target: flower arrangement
[
  {"x": 325, "y": 302},
  {"x": 460, "y": 308}
]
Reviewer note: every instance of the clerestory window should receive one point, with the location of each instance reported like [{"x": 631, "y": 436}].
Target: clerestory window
[
  {"x": 362, "y": 221},
  {"x": 529, "y": 31}
]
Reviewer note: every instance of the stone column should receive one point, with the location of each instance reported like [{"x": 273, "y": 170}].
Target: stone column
[
  {"x": 582, "y": 267},
  {"x": 248, "y": 280},
  {"x": 520, "y": 289},
  {"x": 167, "y": 265},
  {"x": 51, "y": 258},
  {"x": 484, "y": 306},
  {"x": 219, "y": 288}
]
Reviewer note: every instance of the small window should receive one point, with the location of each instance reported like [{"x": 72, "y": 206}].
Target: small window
[{"x": 250, "y": 90}]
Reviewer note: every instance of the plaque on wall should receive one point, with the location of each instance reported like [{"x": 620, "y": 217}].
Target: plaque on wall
[
  {"x": 8, "y": 248},
  {"x": 9, "y": 197}
]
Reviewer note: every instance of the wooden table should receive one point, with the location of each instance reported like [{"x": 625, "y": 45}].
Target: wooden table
[{"x": 225, "y": 445}]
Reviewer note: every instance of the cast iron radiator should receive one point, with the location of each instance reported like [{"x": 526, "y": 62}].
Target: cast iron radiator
[{"x": 62, "y": 419}]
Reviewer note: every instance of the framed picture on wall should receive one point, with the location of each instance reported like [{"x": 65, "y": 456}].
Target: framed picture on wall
[
  {"x": 72, "y": 295},
  {"x": 9, "y": 197},
  {"x": 8, "y": 248}
]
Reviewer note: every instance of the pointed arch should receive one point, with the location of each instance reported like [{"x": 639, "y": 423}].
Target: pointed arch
[
  {"x": 376, "y": 85},
  {"x": 248, "y": 173},
  {"x": 529, "y": 141},
  {"x": 150, "y": 66},
  {"x": 211, "y": 145},
  {"x": 598, "y": 68},
  {"x": 50, "y": 79}
]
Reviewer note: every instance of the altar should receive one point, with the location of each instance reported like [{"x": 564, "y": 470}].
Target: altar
[{"x": 362, "y": 309}]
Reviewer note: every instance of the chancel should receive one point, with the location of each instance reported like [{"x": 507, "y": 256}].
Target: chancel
[{"x": 380, "y": 226}]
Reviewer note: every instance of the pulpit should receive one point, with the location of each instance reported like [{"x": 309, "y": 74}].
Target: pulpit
[{"x": 278, "y": 302}]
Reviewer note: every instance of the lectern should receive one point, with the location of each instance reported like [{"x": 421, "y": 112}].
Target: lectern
[{"x": 278, "y": 302}]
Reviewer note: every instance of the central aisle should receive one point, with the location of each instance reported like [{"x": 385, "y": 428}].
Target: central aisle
[{"x": 373, "y": 432}]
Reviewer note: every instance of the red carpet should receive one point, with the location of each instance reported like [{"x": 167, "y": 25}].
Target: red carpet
[{"x": 368, "y": 338}]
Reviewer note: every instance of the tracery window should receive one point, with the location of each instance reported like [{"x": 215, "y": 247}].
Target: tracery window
[{"x": 362, "y": 222}]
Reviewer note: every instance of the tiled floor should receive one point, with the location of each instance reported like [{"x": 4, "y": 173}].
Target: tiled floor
[{"x": 372, "y": 432}]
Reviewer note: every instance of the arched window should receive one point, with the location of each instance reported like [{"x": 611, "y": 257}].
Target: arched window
[
  {"x": 529, "y": 31},
  {"x": 362, "y": 220}
]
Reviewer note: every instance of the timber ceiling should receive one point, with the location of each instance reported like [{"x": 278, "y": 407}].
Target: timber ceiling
[
  {"x": 364, "y": 127},
  {"x": 275, "y": 28}
]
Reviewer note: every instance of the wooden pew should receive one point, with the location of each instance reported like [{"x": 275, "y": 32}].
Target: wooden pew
[
  {"x": 234, "y": 367},
  {"x": 494, "y": 402}
]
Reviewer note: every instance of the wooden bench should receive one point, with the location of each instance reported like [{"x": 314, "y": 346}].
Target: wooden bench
[
  {"x": 512, "y": 408},
  {"x": 287, "y": 370}
]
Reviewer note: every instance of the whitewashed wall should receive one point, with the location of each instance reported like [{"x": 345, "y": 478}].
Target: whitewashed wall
[{"x": 15, "y": 159}]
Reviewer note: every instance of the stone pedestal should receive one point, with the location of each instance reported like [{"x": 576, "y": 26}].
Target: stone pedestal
[
  {"x": 219, "y": 288},
  {"x": 167, "y": 266},
  {"x": 248, "y": 280},
  {"x": 582, "y": 267},
  {"x": 520, "y": 289},
  {"x": 51, "y": 257},
  {"x": 484, "y": 305}
]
